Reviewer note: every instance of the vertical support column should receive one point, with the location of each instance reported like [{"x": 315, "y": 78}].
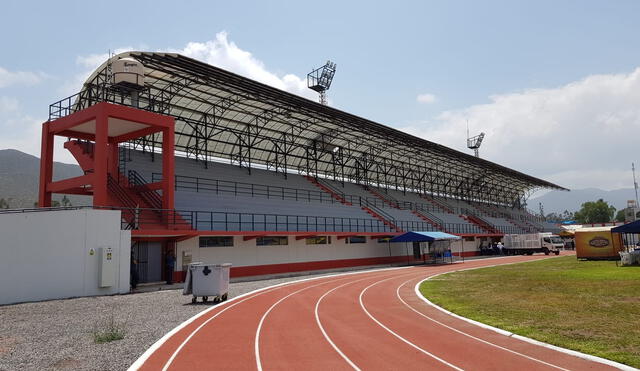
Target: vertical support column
[
  {"x": 168, "y": 167},
  {"x": 114, "y": 156},
  {"x": 101, "y": 154},
  {"x": 46, "y": 166}
]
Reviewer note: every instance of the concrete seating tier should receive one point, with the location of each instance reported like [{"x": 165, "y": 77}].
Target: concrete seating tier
[{"x": 223, "y": 193}]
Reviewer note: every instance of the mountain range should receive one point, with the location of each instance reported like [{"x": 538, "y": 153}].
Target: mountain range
[{"x": 19, "y": 174}]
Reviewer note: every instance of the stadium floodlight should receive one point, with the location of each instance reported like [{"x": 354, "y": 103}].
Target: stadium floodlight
[
  {"x": 320, "y": 80},
  {"x": 474, "y": 143}
]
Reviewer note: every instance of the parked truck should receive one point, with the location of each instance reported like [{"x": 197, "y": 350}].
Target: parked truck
[{"x": 527, "y": 244}]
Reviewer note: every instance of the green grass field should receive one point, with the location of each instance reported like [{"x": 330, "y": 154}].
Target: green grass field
[{"x": 592, "y": 307}]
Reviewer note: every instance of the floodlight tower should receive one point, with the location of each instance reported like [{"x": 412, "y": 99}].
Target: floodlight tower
[
  {"x": 320, "y": 80},
  {"x": 474, "y": 142}
]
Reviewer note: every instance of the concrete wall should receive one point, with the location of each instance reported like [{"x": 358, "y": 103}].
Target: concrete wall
[
  {"x": 54, "y": 254},
  {"x": 249, "y": 259}
]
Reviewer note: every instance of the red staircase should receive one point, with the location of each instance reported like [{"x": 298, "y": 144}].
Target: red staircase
[
  {"x": 509, "y": 218},
  {"x": 82, "y": 152},
  {"x": 384, "y": 199},
  {"x": 141, "y": 206},
  {"x": 342, "y": 200},
  {"x": 437, "y": 204},
  {"x": 381, "y": 218},
  {"x": 333, "y": 194},
  {"x": 481, "y": 223},
  {"x": 438, "y": 226}
]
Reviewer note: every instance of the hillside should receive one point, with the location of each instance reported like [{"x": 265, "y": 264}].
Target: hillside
[{"x": 19, "y": 176}]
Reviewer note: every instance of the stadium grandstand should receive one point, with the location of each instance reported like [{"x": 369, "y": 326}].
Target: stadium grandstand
[{"x": 220, "y": 168}]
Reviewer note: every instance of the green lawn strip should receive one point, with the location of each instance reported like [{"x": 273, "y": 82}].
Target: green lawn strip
[{"x": 591, "y": 307}]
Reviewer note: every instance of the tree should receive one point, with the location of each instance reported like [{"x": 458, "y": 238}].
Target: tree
[
  {"x": 4, "y": 204},
  {"x": 560, "y": 217},
  {"x": 595, "y": 212},
  {"x": 620, "y": 216}
]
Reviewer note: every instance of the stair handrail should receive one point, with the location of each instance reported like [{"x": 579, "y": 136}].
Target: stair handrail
[
  {"x": 332, "y": 188},
  {"x": 122, "y": 196},
  {"x": 366, "y": 203},
  {"x": 385, "y": 197},
  {"x": 149, "y": 195},
  {"x": 430, "y": 216},
  {"x": 468, "y": 213}
]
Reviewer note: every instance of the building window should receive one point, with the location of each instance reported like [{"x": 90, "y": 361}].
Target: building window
[
  {"x": 384, "y": 240},
  {"x": 272, "y": 241},
  {"x": 216, "y": 241},
  {"x": 356, "y": 239},
  {"x": 469, "y": 238},
  {"x": 318, "y": 240}
]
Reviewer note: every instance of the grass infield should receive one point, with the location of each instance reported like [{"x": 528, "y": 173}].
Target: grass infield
[{"x": 589, "y": 306}]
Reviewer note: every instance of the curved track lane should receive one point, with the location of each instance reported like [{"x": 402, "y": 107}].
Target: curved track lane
[{"x": 363, "y": 321}]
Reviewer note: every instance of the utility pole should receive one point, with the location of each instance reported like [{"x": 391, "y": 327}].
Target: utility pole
[{"x": 635, "y": 184}]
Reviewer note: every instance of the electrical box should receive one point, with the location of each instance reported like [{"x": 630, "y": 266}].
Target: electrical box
[{"x": 107, "y": 266}]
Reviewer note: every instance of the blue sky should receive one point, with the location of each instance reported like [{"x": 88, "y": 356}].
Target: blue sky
[{"x": 553, "y": 83}]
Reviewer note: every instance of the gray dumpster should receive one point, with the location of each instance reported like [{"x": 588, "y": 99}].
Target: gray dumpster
[{"x": 207, "y": 281}]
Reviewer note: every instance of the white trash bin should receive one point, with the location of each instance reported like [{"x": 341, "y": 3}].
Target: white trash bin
[{"x": 207, "y": 280}]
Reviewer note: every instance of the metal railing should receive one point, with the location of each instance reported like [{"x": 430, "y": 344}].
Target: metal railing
[
  {"x": 227, "y": 187},
  {"x": 141, "y": 187},
  {"x": 430, "y": 216},
  {"x": 226, "y": 221}
]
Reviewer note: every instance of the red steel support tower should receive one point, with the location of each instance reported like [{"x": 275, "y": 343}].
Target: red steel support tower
[{"x": 105, "y": 125}]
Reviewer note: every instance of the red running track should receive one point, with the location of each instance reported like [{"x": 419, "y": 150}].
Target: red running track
[{"x": 367, "y": 320}]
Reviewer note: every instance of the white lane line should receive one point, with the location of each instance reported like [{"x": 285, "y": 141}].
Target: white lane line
[
  {"x": 469, "y": 335},
  {"x": 257, "y": 338},
  {"x": 324, "y": 333},
  {"x": 398, "y": 336},
  {"x": 175, "y": 353},
  {"x": 155, "y": 346}
]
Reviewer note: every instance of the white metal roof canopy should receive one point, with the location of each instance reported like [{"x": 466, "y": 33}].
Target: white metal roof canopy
[{"x": 222, "y": 115}]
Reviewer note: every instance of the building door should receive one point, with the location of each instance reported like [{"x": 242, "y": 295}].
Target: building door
[
  {"x": 417, "y": 254},
  {"x": 149, "y": 257}
]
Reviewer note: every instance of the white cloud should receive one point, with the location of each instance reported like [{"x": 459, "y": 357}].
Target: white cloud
[
  {"x": 9, "y": 78},
  {"x": 426, "y": 98},
  {"x": 219, "y": 52},
  {"x": 583, "y": 134},
  {"x": 225, "y": 54},
  {"x": 88, "y": 63}
]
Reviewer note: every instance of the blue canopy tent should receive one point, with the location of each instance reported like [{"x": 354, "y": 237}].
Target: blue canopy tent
[
  {"x": 631, "y": 241},
  {"x": 633, "y": 227},
  {"x": 630, "y": 234},
  {"x": 424, "y": 237},
  {"x": 441, "y": 250}
]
